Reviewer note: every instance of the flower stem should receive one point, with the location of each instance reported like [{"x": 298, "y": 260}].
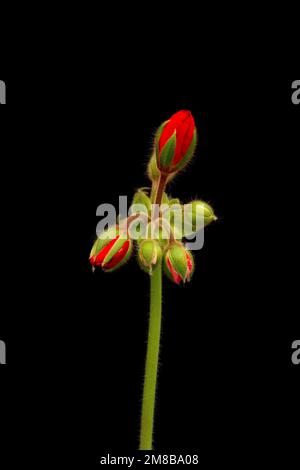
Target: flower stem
[
  {"x": 160, "y": 188},
  {"x": 148, "y": 404}
]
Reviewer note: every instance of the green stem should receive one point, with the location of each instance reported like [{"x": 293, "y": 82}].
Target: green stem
[
  {"x": 148, "y": 404},
  {"x": 160, "y": 191}
]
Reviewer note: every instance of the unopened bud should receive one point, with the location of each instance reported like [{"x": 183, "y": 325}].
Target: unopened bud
[
  {"x": 176, "y": 141},
  {"x": 111, "y": 253},
  {"x": 178, "y": 263},
  {"x": 141, "y": 199},
  {"x": 150, "y": 254},
  {"x": 198, "y": 215}
]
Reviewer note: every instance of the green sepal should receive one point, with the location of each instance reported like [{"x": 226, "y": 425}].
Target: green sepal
[
  {"x": 150, "y": 254},
  {"x": 153, "y": 171},
  {"x": 166, "y": 269},
  {"x": 177, "y": 256},
  {"x": 104, "y": 239},
  {"x": 167, "y": 153},
  {"x": 94, "y": 248},
  {"x": 157, "y": 137},
  {"x": 142, "y": 266},
  {"x": 124, "y": 260},
  {"x": 115, "y": 248},
  {"x": 189, "y": 154}
]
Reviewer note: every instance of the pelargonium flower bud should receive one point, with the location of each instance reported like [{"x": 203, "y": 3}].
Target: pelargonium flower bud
[
  {"x": 176, "y": 141},
  {"x": 198, "y": 214},
  {"x": 150, "y": 254},
  {"x": 111, "y": 253},
  {"x": 174, "y": 202},
  {"x": 178, "y": 263},
  {"x": 141, "y": 198}
]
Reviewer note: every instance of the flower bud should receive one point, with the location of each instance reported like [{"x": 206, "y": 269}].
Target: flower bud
[
  {"x": 150, "y": 254},
  {"x": 198, "y": 215},
  {"x": 178, "y": 263},
  {"x": 111, "y": 253},
  {"x": 141, "y": 198},
  {"x": 176, "y": 142},
  {"x": 174, "y": 202},
  {"x": 102, "y": 241}
]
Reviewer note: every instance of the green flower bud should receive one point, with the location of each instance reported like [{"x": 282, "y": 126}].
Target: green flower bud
[
  {"x": 178, "y": 263},
  {"x": 142, "y": 199},
  {"x": 111, "y": 250},
  {"x": 150, "y": 254},
  {"x": 198, "y": 215},
  {"x": 104, "y": 240}
]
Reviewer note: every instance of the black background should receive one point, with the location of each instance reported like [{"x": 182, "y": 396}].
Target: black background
[{"x": 76, "y": 341}]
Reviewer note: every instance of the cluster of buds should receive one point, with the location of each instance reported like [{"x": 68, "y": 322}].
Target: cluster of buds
[{"x": 159, "y": 243}]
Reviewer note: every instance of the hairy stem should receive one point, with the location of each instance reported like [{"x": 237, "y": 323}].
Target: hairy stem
[
  {"x": 161, "y": 188},
  {"x": 148, "y": 405}
]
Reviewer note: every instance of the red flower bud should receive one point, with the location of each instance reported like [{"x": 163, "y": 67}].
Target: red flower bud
[
  {"x": 178, "y": 263},
  {"x": 111, "y": 254},
  {"x": 176, "y": 142}
]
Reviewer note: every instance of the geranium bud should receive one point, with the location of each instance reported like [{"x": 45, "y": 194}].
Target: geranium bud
[
  {"x": 141, "y": 199},
  {"x": 174, "y": 202},
  {"x": 102, "y": 241},
  {"x": 150, "y": 254},
  {"x": 198, "y": 215},
  {"x": 178, "y": 263},
  {"x": 176, "y": 142},
  {"x": 111, "y": 253}
]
